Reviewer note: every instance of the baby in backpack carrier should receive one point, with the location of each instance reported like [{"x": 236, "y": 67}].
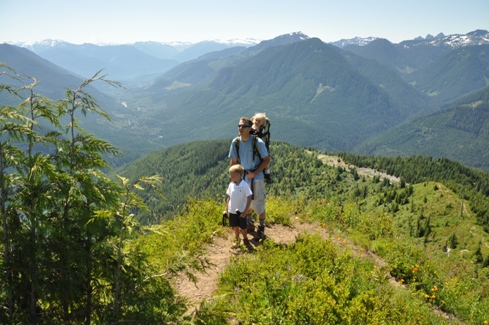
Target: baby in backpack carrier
[{"x": 260, "y": 129}]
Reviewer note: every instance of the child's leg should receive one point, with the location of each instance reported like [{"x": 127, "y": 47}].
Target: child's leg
[
  {"x": 245, "y": 237},
  {"x": 236, "y": 240},
  {"x": 243, "y": 225}
]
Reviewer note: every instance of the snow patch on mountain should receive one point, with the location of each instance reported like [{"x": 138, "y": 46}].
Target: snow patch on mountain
[
  {"x": 360, "y": 41},
  {"x": 477, "y": 37}
]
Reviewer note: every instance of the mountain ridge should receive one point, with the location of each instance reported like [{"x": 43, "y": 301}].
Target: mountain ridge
[{"x": 317, "y": 94}]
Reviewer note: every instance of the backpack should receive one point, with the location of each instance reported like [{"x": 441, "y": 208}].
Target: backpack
[{"x": 264, "y": 134}]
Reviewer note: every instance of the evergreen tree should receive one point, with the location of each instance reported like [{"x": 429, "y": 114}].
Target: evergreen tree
[{"x": 65, "y": 222}]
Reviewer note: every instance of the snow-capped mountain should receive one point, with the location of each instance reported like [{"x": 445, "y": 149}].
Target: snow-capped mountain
[
  {"x": 477, "y": 37},
  {"x": 353, "y": 41},
  {"x": 42, "y": 45}
]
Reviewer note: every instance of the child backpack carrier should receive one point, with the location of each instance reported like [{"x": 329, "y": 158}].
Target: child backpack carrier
[{"x": 263, "y": 134}]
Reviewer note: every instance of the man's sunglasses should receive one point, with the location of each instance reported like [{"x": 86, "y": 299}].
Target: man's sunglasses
[{"x": 244, "y": 126}]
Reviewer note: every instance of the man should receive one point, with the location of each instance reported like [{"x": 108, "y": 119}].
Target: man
[{"x": 252, "y": 154}]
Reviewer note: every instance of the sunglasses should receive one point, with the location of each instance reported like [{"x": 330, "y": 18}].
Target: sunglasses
[{"x": 243, "y": 126}]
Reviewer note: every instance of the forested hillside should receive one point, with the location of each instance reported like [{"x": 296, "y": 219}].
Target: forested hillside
[
  {"x": 317, "y": 95},
  {"x": 80, "y": 245},
  {"x": 430, "y": 228},
  {"x": 459, "y": 132}
]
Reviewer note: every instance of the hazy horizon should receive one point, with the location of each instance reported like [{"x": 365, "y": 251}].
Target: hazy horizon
[{"x": 123, "y": 22}]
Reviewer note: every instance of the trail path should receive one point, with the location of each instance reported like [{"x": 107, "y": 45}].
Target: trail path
[
  {"x": 219, "y": 253},
  {"x": 220, "y": 250},
  {"x": 336, "y": 161}
]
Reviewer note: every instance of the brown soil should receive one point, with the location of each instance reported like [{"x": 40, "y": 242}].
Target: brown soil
[
  {"x": 218, "y": 254},
  {"x": 336, "y": 161},
  {"x": 220, "y": 251}
]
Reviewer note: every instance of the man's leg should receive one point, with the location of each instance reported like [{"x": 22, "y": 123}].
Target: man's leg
[{"x": 258, "y": 204}]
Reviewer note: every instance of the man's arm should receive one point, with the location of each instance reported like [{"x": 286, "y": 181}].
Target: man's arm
[
  {"x": 265, "y": 161},
  {"x": 233, "y": 161}
]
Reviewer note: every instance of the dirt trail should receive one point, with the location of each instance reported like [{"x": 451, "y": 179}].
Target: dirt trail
[
  {"x": 336, "y": 161},
  {"x": 220, "y": 251}
]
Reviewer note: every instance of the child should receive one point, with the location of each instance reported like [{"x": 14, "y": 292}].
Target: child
[
  {"x": 238, "y": 201},
  {"x": 260, "y": 121}
]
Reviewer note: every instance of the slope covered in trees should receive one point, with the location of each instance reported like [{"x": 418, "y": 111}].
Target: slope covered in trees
[{"x": 74, "y": 249}]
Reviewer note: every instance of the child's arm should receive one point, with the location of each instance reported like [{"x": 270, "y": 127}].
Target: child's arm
[
  {"x": 227, "y": 204},
  {"x": 248, "y": 204}
]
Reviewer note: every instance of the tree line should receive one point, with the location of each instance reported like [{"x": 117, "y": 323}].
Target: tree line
[{"x": 469, "y": 183}]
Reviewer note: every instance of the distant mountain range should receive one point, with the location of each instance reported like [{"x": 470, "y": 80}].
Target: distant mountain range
[
  {"x": 334, "y": 97},
  {"x": 132, "y": 63}
]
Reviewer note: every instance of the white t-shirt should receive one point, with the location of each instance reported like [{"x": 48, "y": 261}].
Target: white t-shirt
[{"x": 237, "y": 196}]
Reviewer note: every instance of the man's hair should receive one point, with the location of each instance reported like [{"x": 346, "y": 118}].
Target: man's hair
[
  {"x": 236, "y": 169},
  {"x": 247, "y": 121}
]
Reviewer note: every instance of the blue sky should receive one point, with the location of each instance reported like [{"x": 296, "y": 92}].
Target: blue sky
[{"x": 124, "y": 21}]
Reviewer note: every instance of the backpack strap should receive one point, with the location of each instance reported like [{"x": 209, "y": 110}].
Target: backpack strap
[
  {"x": 254, "y": 144},
  {"x": 236, "y": 145},
  {"x": 255, "y": 148},
  {"x": 265, "y": 133}
]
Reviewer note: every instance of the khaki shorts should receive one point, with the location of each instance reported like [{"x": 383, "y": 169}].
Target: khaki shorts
[{"x": 258, "y": 203}]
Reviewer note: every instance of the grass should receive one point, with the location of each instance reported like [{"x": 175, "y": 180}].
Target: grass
[{"x": 393, "y": 275}]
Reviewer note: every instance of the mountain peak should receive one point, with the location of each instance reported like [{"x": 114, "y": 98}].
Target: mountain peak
[
  {"x": 477, "y": 37},
  {"x": 359, "y": 41},
  {"x": 280, "y": 40},
  {"x": 291, "y": 37}
]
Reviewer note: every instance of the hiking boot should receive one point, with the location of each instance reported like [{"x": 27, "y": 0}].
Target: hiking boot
[
  {"x": 260, "y": 234},
  {"x": 251, "y": 223},
  {"x": 251, "y": 228},
  {"x": 268, "y": 179},
  {"x": 246, "y": 242}
]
